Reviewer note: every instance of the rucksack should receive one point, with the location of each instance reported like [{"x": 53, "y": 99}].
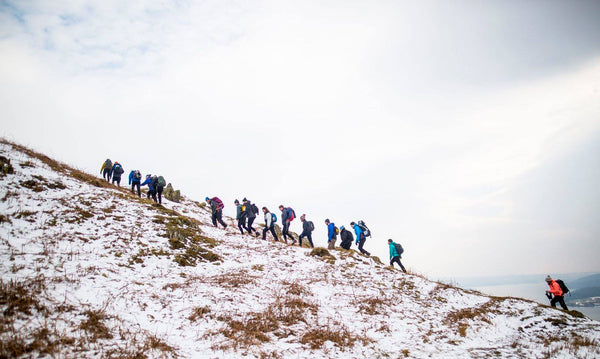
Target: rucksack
[
  {"x": 336, "y": 230},
  {"x": 273, "y": 218},
  {"x": 292, "y": 214},
  {"x": 311, "y": 226},
  {"x": 399, "y": 248},
  {"x": 364, "y": 228},
  {"x": 254, "y": 208},
  {"x": 137, "y": 174},
  {"x": 161, "y": 181},
  {"x": 108, "y": 163},
  {"x": 562, "y": 285},
  {"x": 118, "y": 169},
  {"x": 220, "y": 204}
]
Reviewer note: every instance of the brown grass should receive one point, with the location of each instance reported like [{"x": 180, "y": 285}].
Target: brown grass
[
  {"x": 334, "y": 332},
  {"x": 94, "y": 325}
]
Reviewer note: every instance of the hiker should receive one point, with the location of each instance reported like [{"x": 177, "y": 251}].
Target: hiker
[
  {"x": 346, "y": 237},
  {"x": 270, "y": 219},
  {"x": 151, "y": 189},
  {"x": 307, "y": 228},
  {"x": 216, "y": 205},
  {"x": 251, "y": 211},
  {"x": 106, "y": 169},
  {"x": 360, "y": 238},
  {"x": 395, "y": 254},
  {"x": 116, "y": 172},
  {"x": 240, "y": 216},
  {"x": 160, "y": 186},
  {"x": 557, "y": 291},
  {"x": 331, "y": 234},
  {"x": 287, "y": 216},
  {"x": 135, "y": 177}
]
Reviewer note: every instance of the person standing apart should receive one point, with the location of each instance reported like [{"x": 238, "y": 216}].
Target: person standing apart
[
  {"x": 395, "y": 254},
  {"x": 557, "y": 291},
  {"x": 307, "y": 228},
  {"x": 360, "y": 238},
  {"x": 270, "y": 220}
]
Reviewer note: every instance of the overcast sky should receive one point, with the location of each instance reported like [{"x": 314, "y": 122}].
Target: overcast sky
[{"x": 469, "y": 131}]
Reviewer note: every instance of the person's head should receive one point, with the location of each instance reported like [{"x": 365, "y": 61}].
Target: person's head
[
  {"x": 236, "y": 202},
  {"x": 265, "y": 210},
  {"x": 327, "y": 221},
  {"x": 303, "y": 217},
  {"x": 148, "y": 176},
  {"x": 207, "y": 199},
  {"x": 281, "y": 207},
  {"x": 548, "y": 279},
  {"x": 352, "y": 224},
  {"x": 341, "y": 228},
  {"x": 244, "y": 200},
  {"x": 390, "y": 240}
]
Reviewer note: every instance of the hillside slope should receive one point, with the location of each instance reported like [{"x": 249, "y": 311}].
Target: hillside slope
[{"x": 90, "y": 271}]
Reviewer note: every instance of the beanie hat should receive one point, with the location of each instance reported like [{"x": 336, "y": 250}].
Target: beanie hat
[
  {"x": 327, "y": 220},
  {"x": 236, "y": 202},
  {"x": 548, "y": 279},
  {"x": 244, "y": 200},
  {"x": 207, "y": 198}
]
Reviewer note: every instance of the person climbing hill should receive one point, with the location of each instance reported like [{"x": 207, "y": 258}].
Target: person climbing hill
[
  {"x": 556, "y": 290},
  {"x": 135, "y": 178},
  {"x": 116, "y": 172},
  {"x": 395, "y": 254},
  {"x": 270, "y": 219},
  {"x": 287, "y": 216},
  {"x": 307, "y": 228},
  {"x": 216, "y": 206},
  {"x": 106, "y": 169},
  {"x": 360, "y": 238},
  {"x": 250, "y": 211},
  {"x": 240, "y": 216},
  {"x": 331, "y": 234},
  {"x": 151, "y": 189},
  {"x": 346, "y": 237}
]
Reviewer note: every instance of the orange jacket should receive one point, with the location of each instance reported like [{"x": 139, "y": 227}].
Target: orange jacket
[{"x": 555, "y": 288}]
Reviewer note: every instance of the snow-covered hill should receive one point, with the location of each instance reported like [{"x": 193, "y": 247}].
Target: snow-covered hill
[{"x": 89, "y": 270}]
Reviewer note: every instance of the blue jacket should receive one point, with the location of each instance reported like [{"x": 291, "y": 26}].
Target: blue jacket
[
  {"x": 393, "y": 251},
  {"x": 330, "y": 231},
  {"x": 359, "y": 233},
  {"x": 132, "y": 180},
  {"x": 148, "y": 182}
]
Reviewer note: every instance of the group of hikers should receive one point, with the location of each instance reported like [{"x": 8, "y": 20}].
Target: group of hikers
[
  {"x": 246, "y": 213},
  {"x": 112, "y": 173}
]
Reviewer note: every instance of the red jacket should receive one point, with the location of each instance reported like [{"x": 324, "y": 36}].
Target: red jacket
[{"x": 555, "y": 289}]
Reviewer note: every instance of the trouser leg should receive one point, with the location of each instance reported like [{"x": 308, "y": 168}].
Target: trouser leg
[
  {"x": 360, "y": 247},
  {"x": 309, "y": 236},
  {"x": 139, "y": 189},
  {"x": 284, "y": 230},
  {"x": 272, "y": 229},
  {"x": 220, "y": 219},
  {"x": 159, "y": 192},
  {"x": 560, "y": 300},
  {"x": 240, "y": 226},
  {"x": 249, "y": 225},
  {"x": 214, "y": 218}
]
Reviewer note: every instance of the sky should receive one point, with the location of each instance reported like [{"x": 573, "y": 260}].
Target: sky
[{"x": 468, "y": 131}]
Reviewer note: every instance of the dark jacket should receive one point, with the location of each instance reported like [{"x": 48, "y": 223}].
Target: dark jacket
[
  {"x": 248, "y": 212},
  {"x": 239, "y": 212},
  {"x": 306, "y": 227},
  {"x": 347, "y": 238},
  {"x": 215, "y": 204}
]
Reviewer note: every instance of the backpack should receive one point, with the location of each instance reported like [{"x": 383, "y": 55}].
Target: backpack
[
  {"x": 118, "y": 169},
  {"x": 399, "y": 248},
  {"x": 220, "y": 204},
  {"x": 292, "y": 214},
  {"x": 311, "y": 226},
  {"x": 254, "y": 208},
  {"x": 137, "y": 174},
  {"x": 273, "y": 218},
  {"x": 336, "y": 230},
  {"x": 364, "y": 228},
  {"x": 161, "y": 181},
  {"x": 108, "y": 163},
  {"x": 562, "y": 286}
]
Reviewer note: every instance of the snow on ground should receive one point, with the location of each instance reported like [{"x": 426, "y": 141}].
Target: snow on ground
[{"x": 111, "y": 275}]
